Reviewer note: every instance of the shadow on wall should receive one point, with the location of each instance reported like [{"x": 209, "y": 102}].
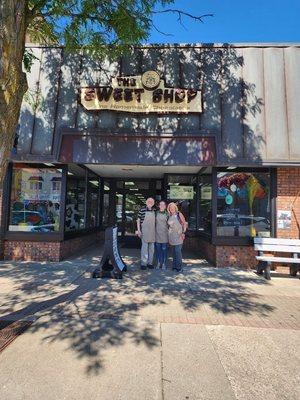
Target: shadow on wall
[
  {"x": 228, "y": 103},
  {"x": 96, "y": 315}
]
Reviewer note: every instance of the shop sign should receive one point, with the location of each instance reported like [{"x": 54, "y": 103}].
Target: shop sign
[
  {"x": 181, "y": 192},
  {"x": 144, "y": 93},
  {"x": 206, "y": 193},
  {"x": 284, "y": 219}
]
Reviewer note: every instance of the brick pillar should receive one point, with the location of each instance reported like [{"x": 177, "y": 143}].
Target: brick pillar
[{"x": 288, "y": 198}]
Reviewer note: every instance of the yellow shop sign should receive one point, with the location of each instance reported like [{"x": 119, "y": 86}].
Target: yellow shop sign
[{"x": 145, "y": 93}]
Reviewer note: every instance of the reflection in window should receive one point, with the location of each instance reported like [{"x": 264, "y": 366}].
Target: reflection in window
[
  {"x": 243, "y": 204},
  {"x": 93, "y": 201},
  {"x": 182, "y": 190},
  {"x": 105, "y": 209},
  {"x": 205, "y": 204},
  {"x": 75, "y": 203},
  {"x": 35, "y": 206}
]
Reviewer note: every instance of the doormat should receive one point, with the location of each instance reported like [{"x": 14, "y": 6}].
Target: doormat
[{"x": 10, "y": 330}]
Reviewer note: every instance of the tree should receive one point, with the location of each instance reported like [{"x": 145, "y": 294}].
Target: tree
[{"x": 100, "y": 27}]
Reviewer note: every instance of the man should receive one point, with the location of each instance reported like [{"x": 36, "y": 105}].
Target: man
[{"x": 146, "y": 231}]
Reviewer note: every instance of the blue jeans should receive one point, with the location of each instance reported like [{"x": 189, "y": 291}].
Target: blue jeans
[
  {"x": 161, "y": 252},
  {"x": 177, "y": 256}
]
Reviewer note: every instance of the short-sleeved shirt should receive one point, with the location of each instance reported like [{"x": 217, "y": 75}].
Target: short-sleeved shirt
[{"x": 142, "y": 213}]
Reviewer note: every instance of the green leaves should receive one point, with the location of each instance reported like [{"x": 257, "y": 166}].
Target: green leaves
[
  {"x": 92, "y": 25},
  {"x": 28, "y": 59}
]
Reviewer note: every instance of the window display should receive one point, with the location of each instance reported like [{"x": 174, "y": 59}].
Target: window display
[
  {"x": 75, "y": 204},
  {"x": 205, "y": 204},
  {"x": 243, "y": 204},
  {"x": 93, "y": 202},
  {"x": 35, "y": 200}
]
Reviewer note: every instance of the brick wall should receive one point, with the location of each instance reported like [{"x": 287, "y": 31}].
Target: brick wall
[
  {"x": 202, "y": 247},
  {"x": 48, "y": 251},
  {"x": 236, "y": 256},
  {"x": 31, "y": 251},
  {"x": 288, "y": 186}
]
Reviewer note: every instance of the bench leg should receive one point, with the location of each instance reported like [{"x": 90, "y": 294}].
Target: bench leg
[
  {"x": 260, "y": 267},
  {"x": 267, "y": 273},
  {"x": 294, "y": 268}
]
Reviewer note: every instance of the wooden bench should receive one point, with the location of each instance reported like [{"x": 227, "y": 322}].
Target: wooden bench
[{"x": 275, "y": 245}]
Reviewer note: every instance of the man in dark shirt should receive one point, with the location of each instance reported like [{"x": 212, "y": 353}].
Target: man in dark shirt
[{"x": 146, "y": 231}]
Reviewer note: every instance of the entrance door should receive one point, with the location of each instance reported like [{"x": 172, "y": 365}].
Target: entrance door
[{"x": 129, "y": 200}]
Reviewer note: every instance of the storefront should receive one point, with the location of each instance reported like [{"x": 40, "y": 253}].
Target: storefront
[{"x": 213, "y": 128}]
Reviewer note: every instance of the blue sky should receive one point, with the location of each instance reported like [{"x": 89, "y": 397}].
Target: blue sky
[{"x": 233, "y": 21}]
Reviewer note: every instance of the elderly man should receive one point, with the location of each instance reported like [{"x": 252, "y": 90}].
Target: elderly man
[{"x": 146, "y": 231}]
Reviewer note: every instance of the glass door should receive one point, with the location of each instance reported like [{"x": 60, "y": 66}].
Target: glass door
[{"x": 130, "y": 198}]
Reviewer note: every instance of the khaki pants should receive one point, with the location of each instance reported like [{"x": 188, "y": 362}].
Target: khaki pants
[{"x": 147, "y": 253}]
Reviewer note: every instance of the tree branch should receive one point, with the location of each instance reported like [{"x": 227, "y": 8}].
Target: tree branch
[{"x": 181, "y": 13}]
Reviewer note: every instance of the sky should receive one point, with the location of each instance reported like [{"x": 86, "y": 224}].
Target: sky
[{"x": 233, "y": 21}]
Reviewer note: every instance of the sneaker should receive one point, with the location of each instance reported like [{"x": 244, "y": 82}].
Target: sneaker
[
  {"x": 143, "y": 267},
  {"x": 150, "y": 266},
  {"x": 158, "y": 266},
  {"x": 164, "y": 266}
]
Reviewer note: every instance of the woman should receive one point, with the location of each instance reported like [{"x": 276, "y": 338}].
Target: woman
[
  {"x": 176, "y": 232},
  {"x": 161, "y": 235}
]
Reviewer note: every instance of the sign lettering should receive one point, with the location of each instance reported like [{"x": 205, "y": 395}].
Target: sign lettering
[{"x": 141, "y": 94}]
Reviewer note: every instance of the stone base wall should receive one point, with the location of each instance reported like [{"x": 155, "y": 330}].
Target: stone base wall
[
  {"x": 202, "y": 247},
  {"x": 236, "y": 256},
  {"x": 31, "y": 251},
  {"x": 48, "y": 251}
]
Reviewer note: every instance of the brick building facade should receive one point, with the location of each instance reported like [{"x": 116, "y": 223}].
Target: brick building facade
[{"x": 211, "y": 127}]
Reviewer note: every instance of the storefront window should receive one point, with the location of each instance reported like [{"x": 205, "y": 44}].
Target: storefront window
[
  {"x": 243, "y": 204},
  {"x": 93, "y": 201},
  {"x": 205, "y": 204},
  {"x": 35, "y": 200},
  {"x": 105, "y": 205},
  {"x": 182, "y": 190},
  {"x": 75, "y": 201}
]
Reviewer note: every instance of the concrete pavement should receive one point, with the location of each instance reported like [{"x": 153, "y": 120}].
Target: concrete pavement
[{"x": 205, "y": 334}]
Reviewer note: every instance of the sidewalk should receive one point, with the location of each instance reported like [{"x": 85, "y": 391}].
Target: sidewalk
[{"x": 205, "y": 334}]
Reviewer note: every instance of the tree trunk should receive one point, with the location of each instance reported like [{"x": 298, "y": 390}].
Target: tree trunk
[{"x": 13, "y": 83}]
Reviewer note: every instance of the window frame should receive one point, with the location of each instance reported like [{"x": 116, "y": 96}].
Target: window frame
[
  {"x": 192, "y": 232},
  {"x": 242, "y": 240},
  {"x": 26, "y": 236}
]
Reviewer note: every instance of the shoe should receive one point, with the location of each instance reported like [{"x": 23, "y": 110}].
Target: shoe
[
  {"x": 177, "y": 269},
  {"x": 164, "y": 267},
  {"x": 158, "y": 266},
  {"x": 143, "y": 267},
  {"x": 150, "y": 266}
]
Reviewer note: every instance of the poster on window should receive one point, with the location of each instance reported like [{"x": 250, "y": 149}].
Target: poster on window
[
  {"x": 284, "y": 219},
  {"x": 206, "y": 192},
  {"x": 181, "y": 192}
]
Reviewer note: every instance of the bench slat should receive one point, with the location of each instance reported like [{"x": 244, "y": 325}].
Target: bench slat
[
  {"x": 279, "y": 241},
  {"x": 274, "y": 247},
  {"x": 278, "y": 259}
]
